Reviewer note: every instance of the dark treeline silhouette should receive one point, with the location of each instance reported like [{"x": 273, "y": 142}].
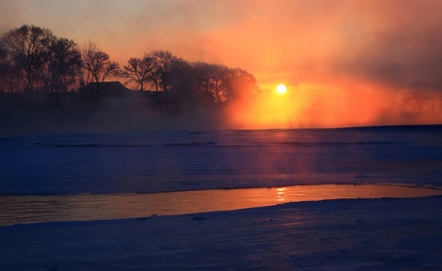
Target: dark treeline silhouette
[{"x": 39, "y": 69}]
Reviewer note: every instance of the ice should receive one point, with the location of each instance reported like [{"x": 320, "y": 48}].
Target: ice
[
  {"x": 159, "y": 161},
  {"x": 358, "y": 234}
]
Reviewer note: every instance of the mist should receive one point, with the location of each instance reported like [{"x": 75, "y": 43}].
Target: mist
[{"x": 346, "y": 63}]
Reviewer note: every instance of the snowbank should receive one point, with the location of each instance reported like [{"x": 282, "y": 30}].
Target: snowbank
[{"x": 359, "y": 234}]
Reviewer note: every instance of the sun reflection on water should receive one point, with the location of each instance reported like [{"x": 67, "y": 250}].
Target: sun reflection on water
[
  {"x": 80, "y": 207},
  {"x": 281, "y": 194}
]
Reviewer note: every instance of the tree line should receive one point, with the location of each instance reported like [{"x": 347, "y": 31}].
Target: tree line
[{"x": 35, "y": 61}]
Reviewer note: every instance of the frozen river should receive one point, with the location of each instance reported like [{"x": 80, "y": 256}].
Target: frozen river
[
  {"x": 83, "y": 207},
  {"x": 52, "y": 166}
]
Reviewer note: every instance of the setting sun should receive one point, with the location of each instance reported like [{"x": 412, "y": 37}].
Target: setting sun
[{"x": 281, "y": 89}]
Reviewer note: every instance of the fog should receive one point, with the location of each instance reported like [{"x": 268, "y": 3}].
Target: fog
[{"x": 346, "y": 63}]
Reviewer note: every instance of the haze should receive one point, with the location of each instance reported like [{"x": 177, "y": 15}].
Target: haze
[{"x": 345, "y": 63}]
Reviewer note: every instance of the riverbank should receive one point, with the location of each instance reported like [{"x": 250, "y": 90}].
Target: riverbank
[
  {"x": 23, "y": 209},
  {"x": 359, "y": 234}
]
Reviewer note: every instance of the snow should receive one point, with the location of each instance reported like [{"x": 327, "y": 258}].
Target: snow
[
  {"x": 356, "y": 234},
  {"x": 145, "y": 162}
]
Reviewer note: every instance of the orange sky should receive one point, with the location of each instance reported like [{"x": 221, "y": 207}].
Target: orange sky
[{"x": 345, "y": 62}]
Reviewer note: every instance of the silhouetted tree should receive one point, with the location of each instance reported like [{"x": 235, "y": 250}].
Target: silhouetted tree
[
  {"x": 98, "y": 67},
  {"x": 156, "y": 68},
  {"x": 6, "y": 72},
  {"x": 217, "y": 81},
  {"x": 162, "y": 67},
  {"x": 212, "y": 79},
  {"x": 241, "y": 84},
  {"x": 63, "y": 69},
  {"x": 27, "y": 50},
  {"x": 181, "y": 77},
  {"x": 32, "y": 58},
  {"x": 139, "y": 71}
]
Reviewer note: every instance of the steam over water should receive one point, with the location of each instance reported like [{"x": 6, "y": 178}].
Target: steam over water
[{"x": 165, "y": 161}]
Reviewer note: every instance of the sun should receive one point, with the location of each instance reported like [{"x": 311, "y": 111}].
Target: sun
[{"x": 281, "y": 89}]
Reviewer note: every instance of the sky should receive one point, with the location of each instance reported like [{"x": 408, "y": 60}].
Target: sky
[{"x": 345, "y": 62}]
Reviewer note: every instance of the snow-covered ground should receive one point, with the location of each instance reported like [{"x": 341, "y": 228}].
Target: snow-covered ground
[
  {"x": 144, "y": 162},
  {"x": 358, "y": 234}
]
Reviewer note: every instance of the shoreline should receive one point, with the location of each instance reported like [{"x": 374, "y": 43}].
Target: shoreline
[
  {"x": 34, "y": 209},
  {"x": 430, "y": 186},
  {"x": 348, "y": 234},
  {"x": 87, "y": 128},
  {"x": 352, "y": 234}
]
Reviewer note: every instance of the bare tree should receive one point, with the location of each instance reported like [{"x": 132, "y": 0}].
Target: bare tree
[
  {"x": 139, "y": 71},
  {"x": 162, "y": 68},
  {"x": 62, "y": 71},
  {"x": 28, "y": 51},
  {"x": 181, "y": 77},
  {"x": 217, "y": 82},
  {"x": 6, "y": 72},
  {"x": 240, "y": 83},
  {"x": 98, "y": 67},
  {"x": 212, "y": 78}
]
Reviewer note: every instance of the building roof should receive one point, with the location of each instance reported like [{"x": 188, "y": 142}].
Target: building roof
[{"x": 111, "y": 88}]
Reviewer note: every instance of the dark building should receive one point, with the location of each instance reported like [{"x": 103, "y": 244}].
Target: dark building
[{"x": 104, "y": 90}]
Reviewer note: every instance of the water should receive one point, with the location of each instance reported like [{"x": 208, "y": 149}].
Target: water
[
  {"x": 165, "y": 161},
  {"x": 80, "y": 207}
]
